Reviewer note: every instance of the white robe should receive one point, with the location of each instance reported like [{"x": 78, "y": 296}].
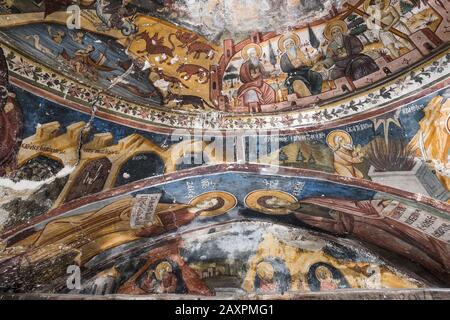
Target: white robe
[{"x": 386, "y": 37}]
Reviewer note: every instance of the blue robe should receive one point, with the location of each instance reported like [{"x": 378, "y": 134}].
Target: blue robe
[{"x": 313, "y": 80}]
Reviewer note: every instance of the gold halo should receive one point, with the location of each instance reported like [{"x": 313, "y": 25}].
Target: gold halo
[
  {"x": 366, "y": 5},
  {"x": 332, "y": 136},
  {"x": 162, "y": 268},
  {"x": 265, "y": 271},
  {"x": 258, "y": 49},
  {"x": 251, "y": 201},
  {"x": 229, "y": 199},
  {"x": 336, "y": 23},
  {"x": 322, "y": 272},
  {"x": 283, "y": 39}
]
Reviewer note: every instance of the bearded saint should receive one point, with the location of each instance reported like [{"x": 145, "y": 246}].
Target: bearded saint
[
  {"x": 344, "y": 54},
  {"x": 252, "y": 75},
  {"x": 345, "y": 154},
  {"x": 298, "y": 67}
]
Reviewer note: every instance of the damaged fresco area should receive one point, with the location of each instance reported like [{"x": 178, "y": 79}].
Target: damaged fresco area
[
  {"x": 236, "y": 18},
  {"x": 224, "y": 149},
  {"x": 211, "y": 18},
  {"x": 58, "y": 159},
  {"x": 144, "y": 62},
  {"x": 312, "y": 151},
  {"x": 406, "y": 148},
  {"x": 196, "y": 237}
]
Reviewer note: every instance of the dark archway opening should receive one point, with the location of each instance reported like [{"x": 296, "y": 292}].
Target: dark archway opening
[
  {"x": 91, "y": 180},
  {"x": 140, "y": 166}
]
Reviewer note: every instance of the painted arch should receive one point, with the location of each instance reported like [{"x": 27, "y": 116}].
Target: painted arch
[{"x": 278, "y": 149}]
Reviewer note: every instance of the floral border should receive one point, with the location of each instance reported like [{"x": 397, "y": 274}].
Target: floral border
[{"x": 32, "y": 72}]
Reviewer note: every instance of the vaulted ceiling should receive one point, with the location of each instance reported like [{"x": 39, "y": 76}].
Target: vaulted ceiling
[{"x": 224, "y": 148}]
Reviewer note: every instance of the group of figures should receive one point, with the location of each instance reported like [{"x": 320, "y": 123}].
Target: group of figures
[
  {"x": 272, "y": 278},
  {"x": 89, "y": 180},
  {"x": 277, "y": 262},
  {"x": 350, "y": 48},
  {"x": 344, "y": 58},
  {"x": 151, "y": 62}
]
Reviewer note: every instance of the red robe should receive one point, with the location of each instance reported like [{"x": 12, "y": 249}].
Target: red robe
[
  {"x": 265, "y": 93},
  {"x": 10, "y": 134}
]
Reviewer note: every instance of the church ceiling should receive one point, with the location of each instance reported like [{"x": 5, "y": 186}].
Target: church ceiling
[{"x": 224, "y": 149}]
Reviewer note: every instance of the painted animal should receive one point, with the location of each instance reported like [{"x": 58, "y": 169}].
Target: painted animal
[
  {"x": 186, "y": 100},
  {"x": 138, "y": 92},
  {"x": 189, "y": 70},
  {"x": 174, "y": 81},
  {"x": 115, "y": 17},
  {"x": 186, "y": 38},
  {"x": 197, "y": 48},
  {"x": 57, "y": 36},
  {"x": 37, "y": 44},
  {"x": 155, "y": 45},
  {"x": 78, "y": 37}
]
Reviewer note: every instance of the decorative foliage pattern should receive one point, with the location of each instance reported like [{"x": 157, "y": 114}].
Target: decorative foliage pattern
[{"x": 405, "y": 85}]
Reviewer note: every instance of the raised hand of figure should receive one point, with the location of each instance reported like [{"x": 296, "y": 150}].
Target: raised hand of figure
[
  {"x": 318, "y": 66},
  {"x": 359, "y": 153}
]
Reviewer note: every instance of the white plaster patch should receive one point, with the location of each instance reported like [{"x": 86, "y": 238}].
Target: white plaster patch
[
  {"x": 239, "y": 17},
  {"x": 4, "y": 216},
  {"x": 10, "y": 190}
]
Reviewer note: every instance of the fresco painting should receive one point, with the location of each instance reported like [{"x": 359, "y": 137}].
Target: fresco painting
[
  {"x": 277, "y": 259},
  {"x": 153, "y": 62},
  {"x": 224, "y": 149},
  {"x": 380, "y": 149}
]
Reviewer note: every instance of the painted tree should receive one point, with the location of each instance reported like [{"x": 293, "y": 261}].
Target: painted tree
[
  {"x": 282, "y": 156},
  {"x": 357, "y": 26},
  {"x": 406, "y": 7},
  {"x": 300, "y": 156},
  {"x": 272, "y": 56}
]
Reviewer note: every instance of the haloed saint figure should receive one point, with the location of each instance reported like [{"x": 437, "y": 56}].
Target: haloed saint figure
[
  {"x": 160, "y": 280},
  {"x": 344, "y": 55},
  {"x": 325, "y": 277},
  {"x": 272, "y": 277}
]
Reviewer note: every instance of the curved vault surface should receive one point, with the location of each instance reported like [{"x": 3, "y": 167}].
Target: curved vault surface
[{"x": 168, "y": 150}]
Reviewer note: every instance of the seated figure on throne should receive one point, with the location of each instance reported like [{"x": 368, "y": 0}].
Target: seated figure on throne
[
  {"x": 252, "y": 75},
  {"x": 301, "y": 79},
  {"x": 343, "y": 56}
]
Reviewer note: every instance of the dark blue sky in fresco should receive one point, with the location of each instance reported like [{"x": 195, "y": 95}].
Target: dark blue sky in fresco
[{"x": 38, "y": 110}]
